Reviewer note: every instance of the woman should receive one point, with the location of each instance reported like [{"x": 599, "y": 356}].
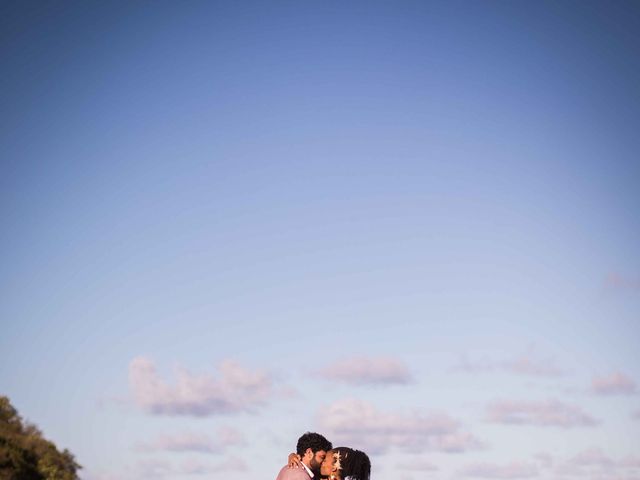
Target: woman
[
  {"x": 341, "y": 463},
  {"x": 344, "y": 463}
]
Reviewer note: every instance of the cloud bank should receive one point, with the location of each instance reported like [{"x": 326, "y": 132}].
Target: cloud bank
[
  {"x": 615, "y": 384},
  {"x": 361, "y": 425},
  {"x": 592, "y": 463},
  {"x": 185, "y": 442},
  {"x": 527, "y": 364},
  {"x": 161, "y": 469},
  {"x": 236, "y": 389},
  {"x": 418, "y": 466},
  {"x": 595, "y": 463},
  {"x": 551, "y": 413},
  {"x": 367, "y": 371},
  {"x": 512, "y": 470},
  {"x": 194, "y": 442}
]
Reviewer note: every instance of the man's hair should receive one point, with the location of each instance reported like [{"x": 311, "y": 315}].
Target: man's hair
[
  {"x": 314, "y": 441},
  {"x": 353, "y": 463}
]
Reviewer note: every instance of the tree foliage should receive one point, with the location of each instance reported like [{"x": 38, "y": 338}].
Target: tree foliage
[{"x": 26, "y": 455}]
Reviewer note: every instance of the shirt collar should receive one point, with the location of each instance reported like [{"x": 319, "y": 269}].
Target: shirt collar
[{"x": 307, "y": 469}]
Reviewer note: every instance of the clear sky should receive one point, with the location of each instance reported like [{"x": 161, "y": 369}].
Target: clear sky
[{"x": 410, "y": 226}]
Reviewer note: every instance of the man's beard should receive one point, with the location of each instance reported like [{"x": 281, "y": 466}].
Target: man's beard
[{"x": 315, "y": 468}]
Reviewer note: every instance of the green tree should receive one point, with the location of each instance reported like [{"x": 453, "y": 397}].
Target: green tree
[{"x": 26, "y": 455}]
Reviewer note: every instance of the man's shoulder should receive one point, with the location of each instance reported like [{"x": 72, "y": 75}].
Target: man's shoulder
[{"x": 287, "y": 473}]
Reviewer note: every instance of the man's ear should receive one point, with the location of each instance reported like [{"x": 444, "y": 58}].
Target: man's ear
[{"x": 308, "y": 452}]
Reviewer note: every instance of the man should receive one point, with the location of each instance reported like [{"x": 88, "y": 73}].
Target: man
[{"x": 312, "y": 448}]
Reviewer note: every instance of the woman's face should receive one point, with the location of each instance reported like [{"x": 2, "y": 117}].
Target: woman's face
[{"x": 326, "y": 468}]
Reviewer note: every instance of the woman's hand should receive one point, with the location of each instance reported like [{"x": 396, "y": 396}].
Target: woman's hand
[{"x": 294, "y": 460}]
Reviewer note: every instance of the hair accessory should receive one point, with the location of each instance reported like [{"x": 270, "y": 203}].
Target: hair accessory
[{"x": 336, "y": 464}]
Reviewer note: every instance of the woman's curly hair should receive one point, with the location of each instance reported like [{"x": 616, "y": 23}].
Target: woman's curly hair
[{"x": 355, "y": 463}]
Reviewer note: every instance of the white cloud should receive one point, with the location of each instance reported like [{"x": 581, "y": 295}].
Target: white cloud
[
  {"x": 592, "y": 457},
  {"x": 194, "y": 467},
  {"x": 194, "y": 442},
  {"x": 615, "y": 384},
  {"x": 89, "y": 475},
  {"x": 359, "y": 424},
  {"x": 551, "y": 413},
  {"x": 231, "y": 464},
  {"x": 230, "y": 437},
  {"x": 237, "y": 389},
  {"x": 161, "y": 469},
  {"x": 184, "y": 442},
  {"x": 544, "y": 460},
  {"x": 512, "y": 470},
  {"x": 154, "y": 468},
  {"x": 527, "y": 364},
  {"x": 595, "y": 463},
  {"x": 630, "y": 462},
  {"x": 367, "y": 371},
  {"x": 592, "y": 463},
  {"x": 418, "y": 466}
]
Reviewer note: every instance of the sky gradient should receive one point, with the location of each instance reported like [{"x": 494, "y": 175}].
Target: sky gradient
[{"x": 410, "y": 226}]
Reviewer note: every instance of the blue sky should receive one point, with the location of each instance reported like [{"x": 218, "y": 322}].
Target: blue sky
[{"x": 410, "y": 226}]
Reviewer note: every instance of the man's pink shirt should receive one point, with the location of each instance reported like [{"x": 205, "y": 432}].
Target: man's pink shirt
[{"x": 293, "y": 474}]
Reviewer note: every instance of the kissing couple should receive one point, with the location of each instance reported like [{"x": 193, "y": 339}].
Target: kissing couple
[{"x": 316, "y": 459}]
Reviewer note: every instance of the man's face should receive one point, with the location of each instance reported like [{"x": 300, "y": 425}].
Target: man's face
[{"x": 317, "y": 459}]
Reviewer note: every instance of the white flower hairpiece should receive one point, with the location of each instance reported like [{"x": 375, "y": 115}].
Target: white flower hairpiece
[{"x": 336, "y": 463}]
